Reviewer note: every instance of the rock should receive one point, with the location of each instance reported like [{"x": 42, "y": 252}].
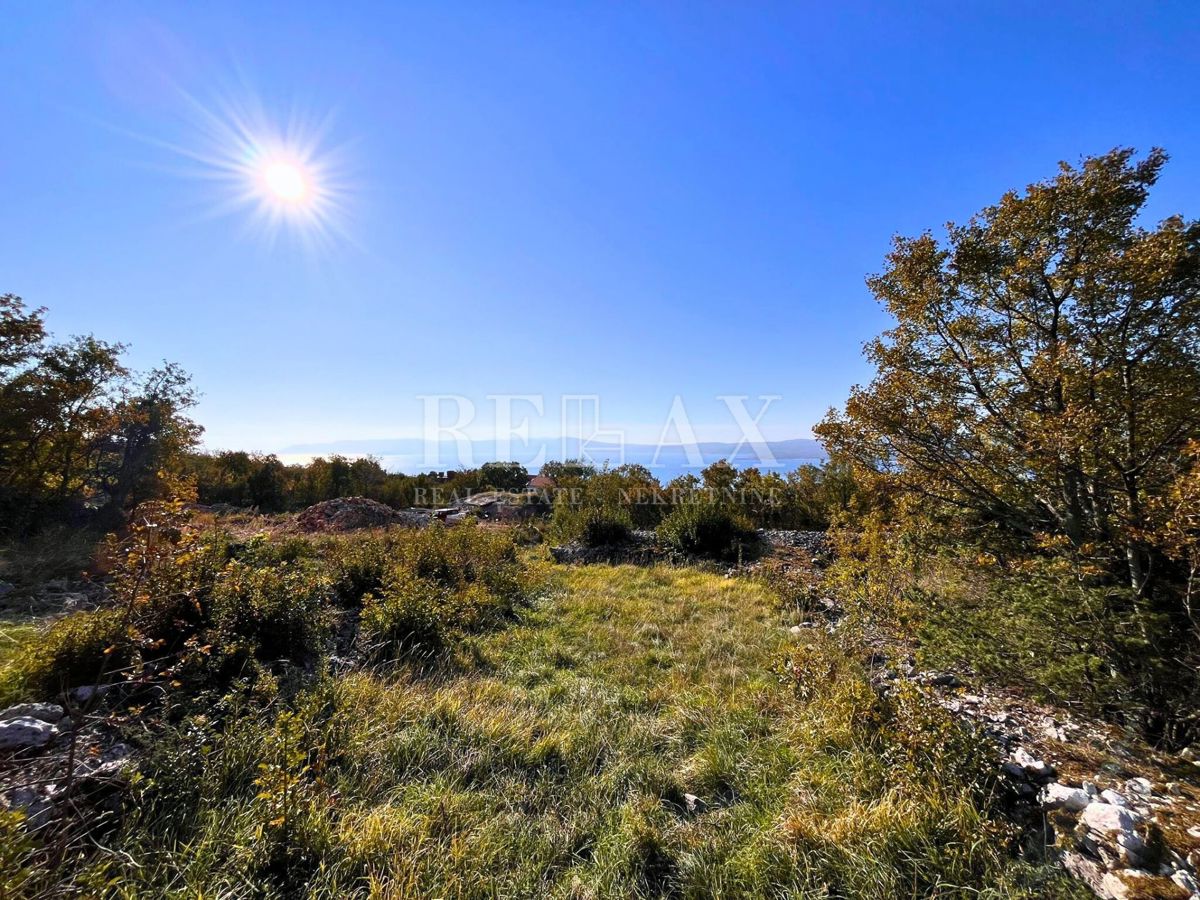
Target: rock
[
  {"x": 25, "y": 733},
  {"x": 107, "y": 766},
  {"x": 811, "y": 541},
  {"x": 88, "y": 692},
  {"x": 43, "y": 712},
  {"x": 1013, "y": 770},
  {"x": 1086, "y": 870},
  {"x": 1051, "y": 729},
  {"x": 1107, "y": 820},
  {"x": 1034, "y": 768},
  {"x": 1110, "y": 796},
  {"x": 797, "y": 629},
  {"x": 1131, "y": 848},
  {"x": 944, "y": 679},
  {"x": 1061, "y": 796},
  {"x": 1107, "y": 831},
  {"x": 1026, "y": 791},
  {"x": 38, "y": 808},
  {"x": 1139, "y": 786},
  {"x": 74, "y": 601},
  {"x": 6, "y": 587},
  {"x": 1186, "y": 881},
  {"x": 1122, "y": 885}
]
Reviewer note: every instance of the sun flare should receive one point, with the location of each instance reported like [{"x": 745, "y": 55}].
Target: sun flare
[
  {"x": 277, "y": 171},
  {"x": 287, "y": 182}
]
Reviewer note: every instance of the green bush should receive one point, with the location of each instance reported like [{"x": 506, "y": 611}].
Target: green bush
[
  {"x": 706, "y": 529},
  {"x": 602, "y": 525},
  {"x": 358, "y": 567},
  {"x": 407, "y": 617},
  {"x": 279, "y": 610},
  {"x": 459, "y": 556},
  {"x": 262, "y": 550},
  {"x": 445, "y": 579},
  {"x": 1063, "y": 637}
]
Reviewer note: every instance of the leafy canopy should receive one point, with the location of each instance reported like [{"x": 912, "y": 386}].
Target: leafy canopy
[{"x": 1044, "y": 368}]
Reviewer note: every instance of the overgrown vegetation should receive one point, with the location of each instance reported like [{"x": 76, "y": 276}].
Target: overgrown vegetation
[
  {"x": 713, "y": 515},
  {"x": 198, "y": 610},
  {"x": 440, "y": 582},
  {"x": 708, "y": 529},
  {"x": 262, "y": 482},
  {"x": 807, "y": 498}
]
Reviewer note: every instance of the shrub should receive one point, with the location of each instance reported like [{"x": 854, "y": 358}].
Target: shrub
[
  {"x": 1060, "y": 636},
  {"x": 262, "y": 550},
  {"x": 706, "y": 529},
  {"x": 405, "y": 618},
  {"x": 55, "y": 552},
  {"x": 358, "y": 567},
  {"x": 456, "y": 557},
  {"x": 461, "y": 579},
  {"x": 277, "y": 610},
  {"x": 600, "y": 525}
]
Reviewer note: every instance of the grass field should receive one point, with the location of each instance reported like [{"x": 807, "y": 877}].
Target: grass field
[{"x": 631, "y": 735}]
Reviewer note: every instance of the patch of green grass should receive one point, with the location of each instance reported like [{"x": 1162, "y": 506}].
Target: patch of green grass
[
  {"x": 15, "y": 638},
  {"x": 625, "y": 737}
]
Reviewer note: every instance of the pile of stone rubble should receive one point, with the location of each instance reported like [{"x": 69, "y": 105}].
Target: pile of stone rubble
[
  {"x": 352, "y": 513},
  {"x": 1124, "y": 837},
  {"x": 814, "y": 542},
  {"x": 56, "y": 763}
]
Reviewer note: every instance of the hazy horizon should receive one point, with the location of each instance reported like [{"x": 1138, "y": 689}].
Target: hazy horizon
[{"x": 666, "y": 461}]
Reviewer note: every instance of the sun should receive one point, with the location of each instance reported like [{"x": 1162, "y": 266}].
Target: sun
[
  {"x": 279, "y": 173},
  {"x": 287, "y": 182}
]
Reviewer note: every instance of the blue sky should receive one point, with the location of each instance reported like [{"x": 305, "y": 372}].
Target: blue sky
[{"x": 628, "y": 200}]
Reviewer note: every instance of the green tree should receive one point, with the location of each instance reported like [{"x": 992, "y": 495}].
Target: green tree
[
  {"x": 568, "y": 468},
  {"x": 719, "y": 478},
  {"x": 1035, "y": 396},
  {"x": 504, "y": 476},
  {"x": 78, "y": 433},
  {"x": 151, "y": 434},
  {"x": 1044, "y": 369}
]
